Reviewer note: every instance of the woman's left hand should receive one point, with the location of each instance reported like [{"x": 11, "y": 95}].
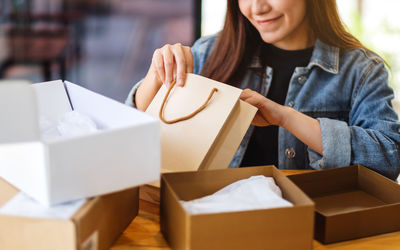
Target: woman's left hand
[
  {"x": 305, "y": 128},
  {"x": 269, "y": 112}
]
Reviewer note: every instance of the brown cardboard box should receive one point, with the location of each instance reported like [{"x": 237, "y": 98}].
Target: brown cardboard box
[
  {"x": 96, "y": 225},
  {"x": 150, "y": 193},
  {"x": 351, "y": 202},
  {"x": 278, "y": 228}
]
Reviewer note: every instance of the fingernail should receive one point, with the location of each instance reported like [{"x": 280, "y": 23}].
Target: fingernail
[{"x": 179, "y": 82}]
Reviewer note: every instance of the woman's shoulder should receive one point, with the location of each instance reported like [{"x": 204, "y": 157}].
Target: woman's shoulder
[
  {"x": 362, "y": 57},
  {"x": 204, "y": 45},
  {"x": 201, "y": 50},
  {"x": 364, "y": 65}
]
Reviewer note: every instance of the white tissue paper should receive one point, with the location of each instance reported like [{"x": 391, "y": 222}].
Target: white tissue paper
[
  {"x": 69, "y": 124},
  {"x": 256, "y": 192},
  {"x": 24, "y": 206}
]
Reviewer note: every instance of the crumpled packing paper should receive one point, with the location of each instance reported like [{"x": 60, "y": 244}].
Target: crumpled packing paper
[
  {"x": 22, "y": 205},
  {"x": 69, "y": 124},
  {"x": 256, "y": 192}
]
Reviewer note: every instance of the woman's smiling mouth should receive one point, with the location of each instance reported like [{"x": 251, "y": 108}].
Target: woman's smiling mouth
[{"x": 264, "y": 22}]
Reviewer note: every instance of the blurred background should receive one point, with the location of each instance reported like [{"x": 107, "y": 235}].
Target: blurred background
[
  {"x": 107, "y": 45},
  {"x": 103, "y": 45}
]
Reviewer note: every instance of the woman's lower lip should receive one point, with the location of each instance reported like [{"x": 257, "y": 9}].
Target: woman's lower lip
[{"x": 269, "y": 21}]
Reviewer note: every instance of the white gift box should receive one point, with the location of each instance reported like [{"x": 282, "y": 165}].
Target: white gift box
[{"x": 124, "y": 153}]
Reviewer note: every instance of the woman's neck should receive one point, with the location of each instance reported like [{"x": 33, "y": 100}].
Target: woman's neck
[{"x": 301, "y": 38}]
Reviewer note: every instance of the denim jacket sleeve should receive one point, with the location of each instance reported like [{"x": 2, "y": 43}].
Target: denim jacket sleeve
[
  {"x": 130, "y": 100},
  {"x": 372, "y": 135}
]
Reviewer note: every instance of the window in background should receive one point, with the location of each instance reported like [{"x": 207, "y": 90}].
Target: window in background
[
  {"x": 104, "y": 45},
  {"x": 213, "y": 16}
]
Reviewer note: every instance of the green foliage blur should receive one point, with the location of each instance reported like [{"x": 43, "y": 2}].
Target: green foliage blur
[{"x": 364, "y": 34}]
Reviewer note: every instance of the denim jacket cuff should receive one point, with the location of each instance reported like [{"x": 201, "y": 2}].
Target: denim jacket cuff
[
  {"x": 336, "y": 144},
  {"x": 130, "y": 100}
]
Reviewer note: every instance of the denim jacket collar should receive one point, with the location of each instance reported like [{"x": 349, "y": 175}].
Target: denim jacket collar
[{"x": 324, "y": 56}]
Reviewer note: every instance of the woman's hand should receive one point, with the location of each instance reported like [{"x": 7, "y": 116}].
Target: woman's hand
[
  {"x": 305, "y": 128},
  {"x": 169, "y": 63},
  {"x": 269, "y": 112},
  {"x": 172, "y": 62}
]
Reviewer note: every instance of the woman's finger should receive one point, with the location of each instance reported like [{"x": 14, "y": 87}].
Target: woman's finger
[
  {"x": 259, "y": 121},
  {"x": 180, "y": 61},
  {"x": 158, "y": 63},
  {"x": 168, "y": 64},
  {"x": 248, "y": 95}
]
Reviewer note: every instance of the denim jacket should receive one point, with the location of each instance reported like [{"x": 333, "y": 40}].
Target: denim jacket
[{"x": 347, "y": 91}]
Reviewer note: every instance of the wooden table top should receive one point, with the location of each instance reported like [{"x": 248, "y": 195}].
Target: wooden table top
[{"x": 144, "y": 233}]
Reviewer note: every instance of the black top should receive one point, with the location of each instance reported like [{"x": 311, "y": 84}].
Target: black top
[{"x": 263, "y": 145}]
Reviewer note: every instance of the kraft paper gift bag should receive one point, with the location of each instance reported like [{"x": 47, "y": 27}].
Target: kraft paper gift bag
[{"x": 210, "y": 136}]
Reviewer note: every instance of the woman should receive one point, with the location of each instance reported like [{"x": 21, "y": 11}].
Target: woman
[{"x": 323, "y": 98}]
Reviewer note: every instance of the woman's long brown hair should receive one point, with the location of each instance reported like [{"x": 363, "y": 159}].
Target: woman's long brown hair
[{"x": 238, "y": 40}]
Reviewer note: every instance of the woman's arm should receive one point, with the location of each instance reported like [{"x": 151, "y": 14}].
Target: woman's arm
[
  {"x": 371, "y": 137},
  {"x": 147, "y": 90},
  {"x": 305, "y": 128}
]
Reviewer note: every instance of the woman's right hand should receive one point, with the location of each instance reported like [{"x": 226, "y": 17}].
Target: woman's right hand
[
  {"x": 169, "y": 63},
  {"x": 172, "y": 62}
]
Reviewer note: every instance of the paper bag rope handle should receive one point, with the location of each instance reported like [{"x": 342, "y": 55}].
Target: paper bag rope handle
[{"x": 161, "y": 114}]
